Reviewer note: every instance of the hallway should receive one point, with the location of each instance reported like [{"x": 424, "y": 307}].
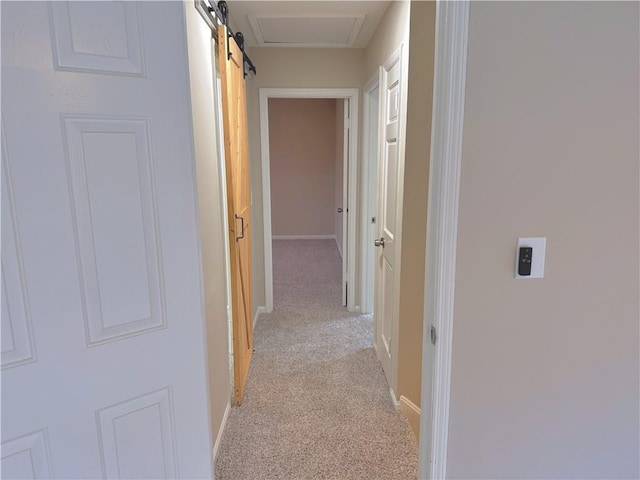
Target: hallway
[{"x": 317, "y": 403}]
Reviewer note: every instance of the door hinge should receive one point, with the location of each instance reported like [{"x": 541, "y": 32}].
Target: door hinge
[{"x": 434, "y": 334}]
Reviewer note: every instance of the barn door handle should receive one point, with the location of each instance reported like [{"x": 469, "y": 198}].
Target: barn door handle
[{"x": 242, "y": 223}]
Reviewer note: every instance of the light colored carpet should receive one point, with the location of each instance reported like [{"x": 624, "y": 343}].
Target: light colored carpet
[{"x": 317, "y": 403}]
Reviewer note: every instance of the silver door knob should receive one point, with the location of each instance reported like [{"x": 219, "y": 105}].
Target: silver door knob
[
  {"x": 379, "y": 243},
  {"x": 340, "y": 210}
]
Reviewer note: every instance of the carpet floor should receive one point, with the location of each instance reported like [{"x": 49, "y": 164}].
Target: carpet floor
[{"x": 317, "y": 402}]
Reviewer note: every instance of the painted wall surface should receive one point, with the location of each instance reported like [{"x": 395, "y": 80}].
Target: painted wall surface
[
  {"x": 414, "y": 215},
  {"x": 392, "y": 30},
  {"x": 412, "y": 25},
  {"x": 302, "y": 143},
  {"x": 338, "y": 154},
  {"x": 545, "y": 372},
  {"x": 210, "y": 212},
  {"x": 282, "y": 68}
]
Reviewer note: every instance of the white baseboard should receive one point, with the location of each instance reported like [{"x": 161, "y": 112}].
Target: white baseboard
[
  {"x": 303, "y": 237},
  {"x": 412, "y": 411},
  {"x": 260, "y": 310},
  {"x": 216, "y": 445}
]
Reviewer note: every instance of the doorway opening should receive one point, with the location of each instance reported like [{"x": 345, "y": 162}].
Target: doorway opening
[
  {"x": 369, "y": 202},
  {"x": 344, "y": 223},
  {"x": 308, "y": 163}
]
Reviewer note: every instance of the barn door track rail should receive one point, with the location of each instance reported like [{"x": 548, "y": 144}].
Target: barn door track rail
[{"x": 221, "y": 12}]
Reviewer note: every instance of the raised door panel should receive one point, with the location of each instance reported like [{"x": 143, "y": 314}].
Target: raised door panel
[
  {"x": 389, "y": 196},
  {"x": 137, "y": 437},
  {"x": 103, "y": 37},
  {"x": 118, "y": 247},
  {"x": 26, "y": 457},
  {"x": 387, "y": 306},
  {"x": 17, "y": 338}
]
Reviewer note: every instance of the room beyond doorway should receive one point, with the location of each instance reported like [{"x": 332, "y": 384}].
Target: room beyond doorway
[
  {"x": 350, "y": 96},
  {"x": 307, "y": 166}
]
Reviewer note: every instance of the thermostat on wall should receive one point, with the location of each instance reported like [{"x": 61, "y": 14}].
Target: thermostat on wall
[{"x": 530, "y": 253}]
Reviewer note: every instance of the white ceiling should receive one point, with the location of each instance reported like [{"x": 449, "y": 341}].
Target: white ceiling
[{"x": 293, "y": 23}]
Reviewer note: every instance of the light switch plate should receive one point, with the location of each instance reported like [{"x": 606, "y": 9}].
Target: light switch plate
[{"x": 539, "y": 245}]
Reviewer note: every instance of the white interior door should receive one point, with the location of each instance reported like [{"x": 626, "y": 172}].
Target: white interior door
[
  {"x": 103, "y": 356},
  {"x": 345, "y": 200},
  {"x": 387, "y": 220}
]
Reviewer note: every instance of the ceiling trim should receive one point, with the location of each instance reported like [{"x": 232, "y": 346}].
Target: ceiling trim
[{"x": 353, "y": 36}]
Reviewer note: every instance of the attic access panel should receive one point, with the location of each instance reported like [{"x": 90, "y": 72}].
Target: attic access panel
[{"x": 306, "y": 31}]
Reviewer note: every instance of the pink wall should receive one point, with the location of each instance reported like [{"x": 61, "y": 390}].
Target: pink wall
[{"x": 302, "y": 150}]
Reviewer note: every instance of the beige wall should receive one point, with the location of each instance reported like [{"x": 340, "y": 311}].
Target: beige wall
[
  {"x": 302, "y": 144},
  {"x": 545, "y": 372},
  {"x": 411, "y": 24},
  {"x": 210, "y": 213},
  {"x": 392, "y": 30},
  {"x": 280, "y": 68},
  {"x": 414, "y": 213},
  {"x": 339, "y": 165}
]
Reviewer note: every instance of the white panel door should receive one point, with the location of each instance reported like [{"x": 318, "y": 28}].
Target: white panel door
[
  {"x": 103, "y": 357},
  {"x": 388, "y": 217}
]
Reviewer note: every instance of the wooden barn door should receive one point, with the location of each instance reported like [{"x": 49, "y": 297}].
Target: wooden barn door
[{"x": 234, "y": 115}]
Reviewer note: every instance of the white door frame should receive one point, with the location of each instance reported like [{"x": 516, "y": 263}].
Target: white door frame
[
  {"x": 369, "y": 169},
  {"x": 452, "y": 19},
  {"x": 346, "y": 161},
  {"x": 337, "y": 93}
]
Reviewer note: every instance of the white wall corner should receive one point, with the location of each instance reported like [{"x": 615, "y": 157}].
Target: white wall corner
[
  {"x": 412, "y": 412},
  {"x": 216, "y": 445}
]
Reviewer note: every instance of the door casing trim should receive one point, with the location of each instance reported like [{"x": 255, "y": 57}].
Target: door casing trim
[
  {"x": 337, "y": 93},
  {"x": 369, "y": 168},
  {"x": 452, "y": 22}
]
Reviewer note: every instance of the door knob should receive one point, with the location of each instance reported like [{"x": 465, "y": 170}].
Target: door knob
[
  {"x": 340, "y": 210},
  {"x": 379, "y": 243}
]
